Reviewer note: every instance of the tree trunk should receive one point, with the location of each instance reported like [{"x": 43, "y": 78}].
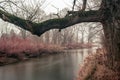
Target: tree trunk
[
  {"x": 111, "y": 27},
  {"x": 112, "y": 34}
]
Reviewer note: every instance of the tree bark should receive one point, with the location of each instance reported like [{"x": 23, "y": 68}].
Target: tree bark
[
  {"x": 111, "y": 27},
  {"x": 58, "y": 23},
  {"x": 112, "y": 35}
]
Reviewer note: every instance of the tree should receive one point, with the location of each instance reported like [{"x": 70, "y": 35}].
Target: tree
[
  {"x": 94, "y": 31},
  {"x": 108, "y": 15}
]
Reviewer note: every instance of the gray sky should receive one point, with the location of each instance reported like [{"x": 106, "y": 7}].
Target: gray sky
[{"x": 49, "y": 5}]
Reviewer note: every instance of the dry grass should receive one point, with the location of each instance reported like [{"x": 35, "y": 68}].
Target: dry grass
[{"x": 94, "y": 68}]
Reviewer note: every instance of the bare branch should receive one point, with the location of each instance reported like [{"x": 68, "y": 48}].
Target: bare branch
[
  {"x": 58, "y": 23},
  {"x": 9, "y": 1},
  {"x": 74, "y": 2},
  {"x": 84, "y": 5},
  {"x": 57, "y": 15}
]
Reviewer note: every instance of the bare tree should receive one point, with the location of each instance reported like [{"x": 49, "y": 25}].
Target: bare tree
[
  {"x": 108, "y": 15},
  {"x": 93, "y": 31}
]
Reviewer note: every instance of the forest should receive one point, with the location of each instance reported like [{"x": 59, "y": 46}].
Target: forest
[{"x": 69, "y": 40}]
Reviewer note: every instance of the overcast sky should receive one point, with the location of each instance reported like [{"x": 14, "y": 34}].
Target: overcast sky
[{"x": 49, "y": 5}]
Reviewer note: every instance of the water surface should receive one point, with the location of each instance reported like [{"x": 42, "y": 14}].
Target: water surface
[{"x": 63, "y": 66}]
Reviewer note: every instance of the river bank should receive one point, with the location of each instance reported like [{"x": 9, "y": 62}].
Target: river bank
[
  {"x": 16, "y": 49},
  {"x": 96, "y": 67},
  {"x": 63, "y": 66},
  {"x": 5, "y": 60}
]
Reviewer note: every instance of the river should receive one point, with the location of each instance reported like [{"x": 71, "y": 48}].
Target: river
[{"x": 63, "y": 66}]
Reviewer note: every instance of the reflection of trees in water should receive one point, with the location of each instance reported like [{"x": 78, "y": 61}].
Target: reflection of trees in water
[
  {"x": 85, "y": 52},
  {"x": 89, "y": 51}
]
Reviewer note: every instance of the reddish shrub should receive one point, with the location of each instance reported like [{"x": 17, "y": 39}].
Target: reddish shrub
[{"x": 18, "y": 46}]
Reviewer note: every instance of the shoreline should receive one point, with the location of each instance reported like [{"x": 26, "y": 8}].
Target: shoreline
[
  {"x": 95, "y": 68},
  {"x": 21, "y": 57},
  {"x": 9, "y": 60}
]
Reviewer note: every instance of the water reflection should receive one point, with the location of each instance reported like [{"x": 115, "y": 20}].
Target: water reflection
[{"x": 56, "y": 67}]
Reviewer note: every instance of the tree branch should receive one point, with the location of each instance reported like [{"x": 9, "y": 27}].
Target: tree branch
[
  {"x": 58, "y": 23},
  {"x": 74, "y": 2},
  {"x": 84, "y": 4}
]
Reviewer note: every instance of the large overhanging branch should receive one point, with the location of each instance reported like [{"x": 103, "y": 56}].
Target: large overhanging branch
[{"x": 58, "y": 23}]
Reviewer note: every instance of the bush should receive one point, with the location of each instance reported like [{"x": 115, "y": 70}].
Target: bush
[{"x": 17, "y": 46}]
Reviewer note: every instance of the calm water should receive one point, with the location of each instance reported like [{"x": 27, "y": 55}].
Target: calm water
[{"x": 56, "y": 67}]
